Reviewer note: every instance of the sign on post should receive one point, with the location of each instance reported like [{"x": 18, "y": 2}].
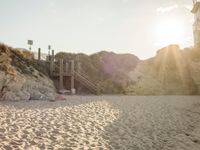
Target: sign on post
[
  {"x": 30, "y": 42},
  {"x": 49, "y": 47}
]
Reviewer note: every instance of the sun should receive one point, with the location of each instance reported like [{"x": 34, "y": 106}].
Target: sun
[{"x": 170, "y": 32}]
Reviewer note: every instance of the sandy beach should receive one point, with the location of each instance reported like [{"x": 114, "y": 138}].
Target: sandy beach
[{"x": 102, "y": 122}]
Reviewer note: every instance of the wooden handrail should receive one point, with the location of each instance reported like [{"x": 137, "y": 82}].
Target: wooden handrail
[
  {"x": 80, "y": 76},
  {"x": 87, "y": 80},
  {"x": 85, "y": 77},
  {"x": 88, "y": 83}
]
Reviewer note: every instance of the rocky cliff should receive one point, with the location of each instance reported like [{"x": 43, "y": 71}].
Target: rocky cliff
[
  {"x": 22, "y": 78},
  {"x": 172, "y": 71}
]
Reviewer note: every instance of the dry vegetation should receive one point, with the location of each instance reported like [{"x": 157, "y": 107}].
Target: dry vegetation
[
  {"x": 171, "y": 71},
  {"x": 12, "y": 60},
  {"x": 107, "y": 69},
  {"x": 5, "y": 60},
  {"x": 22, "y": 77}
]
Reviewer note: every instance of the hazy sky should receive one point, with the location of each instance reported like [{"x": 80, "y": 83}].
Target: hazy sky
[{"x": 123, "y": 26}]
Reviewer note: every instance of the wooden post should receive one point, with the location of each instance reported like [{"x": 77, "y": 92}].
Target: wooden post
[
  {"x": 67, "y": 67},
  {"x": 52, "y": 63},
  {"x": 53, "y": 54},
  {"x": 39, "y": 53},
  {"x": 48, "y": 56},
  {"x": 72, "y": 77},
  {"x": 52, "y": 59},
  {"x": 78, "y": 67},
  {"x": 51, "y": 67},
  {"x": 61, "y": 74}
]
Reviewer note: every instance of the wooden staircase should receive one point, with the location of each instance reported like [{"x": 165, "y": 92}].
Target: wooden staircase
[
  {"x": 60, "y": 70},
  {"x": 80, "y": 77}
]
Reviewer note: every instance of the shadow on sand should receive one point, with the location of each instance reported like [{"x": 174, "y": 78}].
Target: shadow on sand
[{"x": 154, "y": 123}]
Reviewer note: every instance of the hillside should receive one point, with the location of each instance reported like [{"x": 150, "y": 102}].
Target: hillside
[
  {"x": 22, "y": 78},
  {"x": 109, "y": 70},
  {"x": 172, "y": 71}
]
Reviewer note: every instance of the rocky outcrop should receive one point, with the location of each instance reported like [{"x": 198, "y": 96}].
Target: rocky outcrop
[
  {"x": 21, "y": 78},
  {"x": 172, "y": 71}
]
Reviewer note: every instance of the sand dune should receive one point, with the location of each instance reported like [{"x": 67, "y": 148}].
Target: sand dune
[{"x": 104, "y": 122}]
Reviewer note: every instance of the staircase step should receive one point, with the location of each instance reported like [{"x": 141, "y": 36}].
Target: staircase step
[{"x": 81, "y": 78}]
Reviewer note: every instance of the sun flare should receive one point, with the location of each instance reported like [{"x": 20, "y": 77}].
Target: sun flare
[{"x": 170, "y": 32}]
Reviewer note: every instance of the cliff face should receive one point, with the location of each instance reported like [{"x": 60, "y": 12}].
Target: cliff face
[
  {"x": 21, "y": 78},
  {"x": 171, "y": 71}
]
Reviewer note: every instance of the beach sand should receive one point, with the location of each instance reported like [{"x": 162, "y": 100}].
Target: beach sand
[{"x": 102, "y": 122}]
